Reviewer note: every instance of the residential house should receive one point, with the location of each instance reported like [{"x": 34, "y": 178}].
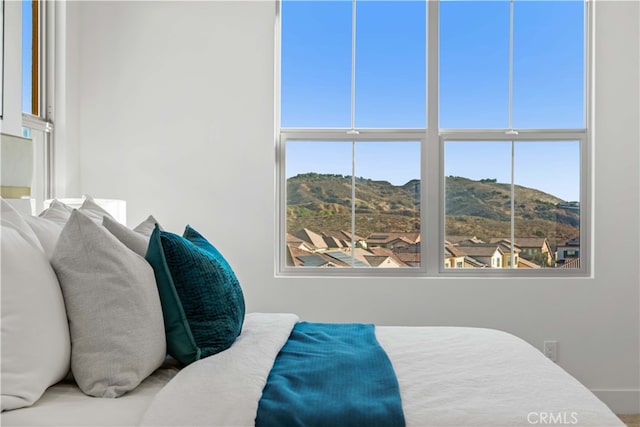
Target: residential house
[
  {"x": 296, "y": 242},
  {"x": 525, "y": 263},
  {"x": 381, "y": 261},
  {"x": 568, "y": 251},
  {"x": 490, "y": 254},
  {"x": 313, "y": 238},
  {"x": 393, "y": 240},
  {"x": 302, "y": 258},
  {"x": 342, "y": 239},
  {"x": 473, "y": 263},
  {"x": 505, "y": 245},
  {"x": 536, "y": 249},
  {"x": 397, "y": 257},
  {"x": 360, "y": 258},
  {"x": 454, "y": 257}
]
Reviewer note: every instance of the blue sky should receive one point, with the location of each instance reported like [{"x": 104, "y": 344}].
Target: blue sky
[
  {"x": 26, "y": 56},
  {"x": 474, "y": 70}
]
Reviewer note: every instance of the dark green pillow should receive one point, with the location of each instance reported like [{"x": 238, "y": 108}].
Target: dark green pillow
[{"x": 202, "y": 302}]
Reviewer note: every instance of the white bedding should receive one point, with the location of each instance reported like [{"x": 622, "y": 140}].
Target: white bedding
[
  {"x": 65, "y": 404},
  {"x": 224, "y": 389},
  {"x": 452, "y": 376},
  {"x": 448, "y": 376}
]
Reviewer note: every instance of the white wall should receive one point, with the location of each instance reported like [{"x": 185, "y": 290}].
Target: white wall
[
  {"x": 175, "y": 115},
  {"x": 66, "y": 114}
]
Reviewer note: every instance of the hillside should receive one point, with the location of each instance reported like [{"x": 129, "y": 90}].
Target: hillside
[
  {"x": 323, "y": 202},
  {"x": 480, "y": 208}
]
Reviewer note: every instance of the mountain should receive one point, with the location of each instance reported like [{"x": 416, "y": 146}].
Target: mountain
[{"x": 322, "y": 202}]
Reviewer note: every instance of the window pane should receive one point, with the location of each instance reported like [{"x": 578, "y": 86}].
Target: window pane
[
  {"x": 547, "y": 203},
  {"x": 318, "y": 203},
  {"x": 548, "y": 69},
  {"x": 474, "y": 64},
  {"x": 477, "y": 203},
  {"x": 27, "y": 52},
  {"x": 546, "y": 211},
  {"x": 388, "y": 203},
  {"x": 390, "y": 64},
  {"x": 316, "y": 64}
]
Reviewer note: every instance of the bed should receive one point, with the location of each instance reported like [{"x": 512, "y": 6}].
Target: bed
[{"x": 445, "y": 376}]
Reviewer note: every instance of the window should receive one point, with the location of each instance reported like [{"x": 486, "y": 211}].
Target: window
[
  {"x": 406, "y": 127},
  {"x": 37, "y": 85},
  {"x": 31, "y": 57},
  {"x": 1, "y": 58}
]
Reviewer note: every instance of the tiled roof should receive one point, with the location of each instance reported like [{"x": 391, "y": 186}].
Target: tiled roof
[
  {"x": 523, "y": 242},
  {"x": 297, "y": 242},
  {"x": 342, "y": 235},
  {"x": 292, "y": 256},
  {"x": 480, "y": 249},
  {"x": 346, "y": 258},
  {"x": 461, "y": 239},
  {"x": 312, "y": 237},
  {"x": 290, "y": 238},
  {"x": 376, "y": 260},
  {"x": 506, "y": 247},
  {"x": 474, "y": 262},
  {"x": 409, "y": 258},
  {"x": 385, "y": 238},
  {"x": 333, "y": 242},
  {"x": 397, "y": 257},
  {"x": 300, "y": 258},
  {"x": 573, "y": 242},
  {"x": 454, "y": 251},
  {"x": 313, "y": 260},
  {"x": 523, "y": 263}
]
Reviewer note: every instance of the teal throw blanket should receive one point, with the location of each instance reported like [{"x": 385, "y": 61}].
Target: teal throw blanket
[{"x": 331, "y": 375}]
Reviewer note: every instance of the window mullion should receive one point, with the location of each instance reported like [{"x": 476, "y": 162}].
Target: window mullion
[
  {"x": 353, "y": 131},
  {"x": 432, "y": 155},
  {"x": 353, "y": 203},
  {"x": 511, "y": 65},
  {"x": 513, "y": 205},
  {"x": 35, "y": 58},
  {"x": 353, "y": 64},
  {"x": 511, "y": 131}
]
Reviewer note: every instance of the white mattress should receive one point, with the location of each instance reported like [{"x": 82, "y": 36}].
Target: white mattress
[{"x": 64, "y": 404}]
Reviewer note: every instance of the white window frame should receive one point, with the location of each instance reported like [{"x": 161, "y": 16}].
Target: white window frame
[
  {"x": 432, "y": 180},
  {"x": 42, "y": 187}
]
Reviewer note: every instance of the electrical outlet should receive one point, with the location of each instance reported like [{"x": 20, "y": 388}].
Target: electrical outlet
[{"x": 551, "y": 350}]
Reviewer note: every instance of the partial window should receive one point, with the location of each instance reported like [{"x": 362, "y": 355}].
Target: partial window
[
  {"x": 519, "y": 194},
  {"x": 353, "y": 91},
  {"x": 31, "y": 42},
  {"x": 37, "y": 82}
]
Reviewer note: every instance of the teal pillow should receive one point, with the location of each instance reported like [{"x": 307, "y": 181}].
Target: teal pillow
[{"x": 202, "y": 302}]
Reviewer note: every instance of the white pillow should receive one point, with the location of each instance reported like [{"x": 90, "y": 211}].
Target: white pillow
[
  {"x": 146, "y": 227},
  {"x": 57, "y": 212},
  {"x": 10, "y": 215},
  {"x": 113, "y": 306},
  {"x": 47, "y": 232},
  {"x": 137, "y": 239},
  {"x": 35, "y": 334},
  {"x": 94, "y": 211}
]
